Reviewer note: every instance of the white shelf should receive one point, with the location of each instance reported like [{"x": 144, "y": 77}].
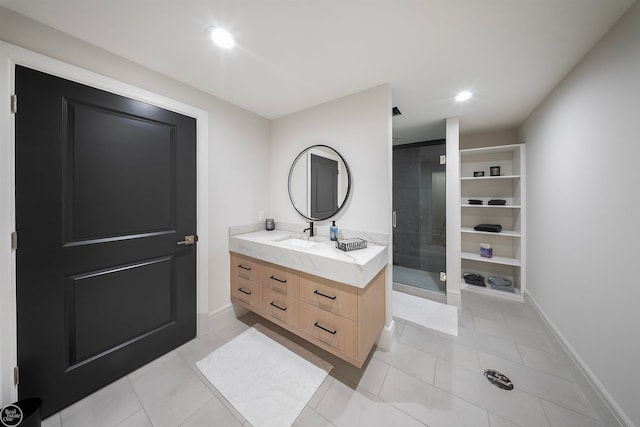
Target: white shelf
[
  {"x": 488, "y": 178},
  {"x": 491, "y": 206},
  {"x": 511, "y": 187},
  {"x": 517, "y": 295},
  {"x": 491, "y": 150},
  {"x": 508, "y": 233},
  {"x": 495, "y": 260}
]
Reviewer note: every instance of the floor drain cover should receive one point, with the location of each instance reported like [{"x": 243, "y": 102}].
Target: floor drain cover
[{"x": 499, "y": 380}]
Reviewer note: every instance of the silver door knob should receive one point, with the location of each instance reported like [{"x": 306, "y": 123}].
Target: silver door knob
[{"x": 189, "y": 240}]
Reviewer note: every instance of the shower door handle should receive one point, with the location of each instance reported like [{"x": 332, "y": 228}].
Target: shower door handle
[{"x": 393, "y": 219}]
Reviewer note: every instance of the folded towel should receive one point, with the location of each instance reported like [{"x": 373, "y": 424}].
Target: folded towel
[
  {"x": 492, "y": 228},
  {"x": 473, "y": 279},
  {"x": 499, "y": 282}
]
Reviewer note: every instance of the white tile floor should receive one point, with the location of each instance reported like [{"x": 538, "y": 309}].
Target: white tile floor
[{"x": 429, "y": 378}]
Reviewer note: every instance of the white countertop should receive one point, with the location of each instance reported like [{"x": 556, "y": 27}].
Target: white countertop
[{"x": 320, "y": 257}]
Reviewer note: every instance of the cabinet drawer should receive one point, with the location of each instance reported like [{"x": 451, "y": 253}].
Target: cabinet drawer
[
  {"x": 281, "y": 279},
  {"x": 280, "y": 306},
  {"x": 329, "y": 295},
  {"x": 247, "y": 291},
  {"x": 245, "y": 267},
  {"x": 330, "y": 328}
]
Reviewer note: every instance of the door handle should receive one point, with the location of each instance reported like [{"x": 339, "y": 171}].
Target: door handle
[
  {"x": 393, "y": 219},
  {"x": 189, "y": 240}
]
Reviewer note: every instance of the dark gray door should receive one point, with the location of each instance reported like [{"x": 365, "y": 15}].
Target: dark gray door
[
  {"x": 105, "y": 189},
  {"x": 324, "y": 187}
]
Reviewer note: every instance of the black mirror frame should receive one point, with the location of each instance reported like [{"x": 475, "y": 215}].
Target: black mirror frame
[{"x": 346, "y": 197}]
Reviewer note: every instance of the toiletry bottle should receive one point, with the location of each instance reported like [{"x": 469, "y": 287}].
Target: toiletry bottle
[{"x": 333, "y": 231}]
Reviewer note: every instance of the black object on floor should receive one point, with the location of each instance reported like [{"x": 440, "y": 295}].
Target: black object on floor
[{"x": 498, "y": 379}]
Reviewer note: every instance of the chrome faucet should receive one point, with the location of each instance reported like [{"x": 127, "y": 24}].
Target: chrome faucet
[{"x": 310, "y": 229}]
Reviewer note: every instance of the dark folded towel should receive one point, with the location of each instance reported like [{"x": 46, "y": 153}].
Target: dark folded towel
[
  {"x": 475, "y": 202},
  {"x": 499, "y": 202},
  {"x": 492, "y": 228},
  {"x": 499, "y": 282},
  {"x": 473, "y": 279}
]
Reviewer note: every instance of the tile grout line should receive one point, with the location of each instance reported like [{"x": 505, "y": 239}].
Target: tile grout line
[
  {"x": 146, "y": 414},
  {"x": 571, "y": 410}
]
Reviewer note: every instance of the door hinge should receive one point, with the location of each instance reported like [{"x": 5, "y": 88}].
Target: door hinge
[
  {"x": 14, "y": 103},
  {"x": 14, "y": 240},
  {"x": 16, "y": 376},
  {"x": 443, "y": 160}
]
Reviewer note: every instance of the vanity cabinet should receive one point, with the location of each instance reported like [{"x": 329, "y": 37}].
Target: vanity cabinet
[{"x": 341, "y": 319}]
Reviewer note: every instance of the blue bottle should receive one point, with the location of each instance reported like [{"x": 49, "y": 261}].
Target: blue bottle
[{"x": 333, "y": 231}]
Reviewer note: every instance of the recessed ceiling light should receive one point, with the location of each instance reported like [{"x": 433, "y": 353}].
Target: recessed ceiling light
[
  {"x": 221, "y": 37},
  {"x": 465, "y": 95}
]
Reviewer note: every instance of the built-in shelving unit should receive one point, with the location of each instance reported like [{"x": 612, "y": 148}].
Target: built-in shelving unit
[{"x": 508, "y": 245}]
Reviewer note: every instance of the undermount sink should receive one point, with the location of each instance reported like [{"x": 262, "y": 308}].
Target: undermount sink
[{"x": 300, "y": 243}]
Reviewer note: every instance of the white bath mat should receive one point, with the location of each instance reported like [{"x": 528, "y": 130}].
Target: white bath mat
[
  {"x": 268, "y": 383},
  {"x": 431, "y": 314}
]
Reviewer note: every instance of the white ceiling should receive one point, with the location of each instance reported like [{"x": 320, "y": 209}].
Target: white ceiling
[{"x": 294, "y": 54}]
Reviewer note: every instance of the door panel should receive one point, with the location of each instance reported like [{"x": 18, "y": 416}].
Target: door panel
[
  {"x": 105, "y": 188},
  {"x": 136, "y": 155},
  {"x": 91, "y": 300}
]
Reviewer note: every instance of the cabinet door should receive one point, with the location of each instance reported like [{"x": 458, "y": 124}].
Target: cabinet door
[
  {"x": 281, "y": 279},
  {"x": 276, "y": 305},
  {"x": 245, "y": 267},
  {"x": 329, "y": 295},
  {"x": 329, "y": 328},
  {"x": 247, "y": 291}
]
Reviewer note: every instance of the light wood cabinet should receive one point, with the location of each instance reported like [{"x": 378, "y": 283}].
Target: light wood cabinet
[
  {"x": 341, "y": 319},
  {"x": 329, "y": 295}
]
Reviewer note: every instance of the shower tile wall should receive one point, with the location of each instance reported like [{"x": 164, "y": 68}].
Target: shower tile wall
[{"x": 419, "y": 236}]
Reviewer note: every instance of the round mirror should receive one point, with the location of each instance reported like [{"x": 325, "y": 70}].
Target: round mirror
[{"x": 319, "y": 182}]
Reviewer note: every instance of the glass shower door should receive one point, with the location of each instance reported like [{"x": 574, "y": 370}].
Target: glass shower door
[{"x": 419, "y": 203}]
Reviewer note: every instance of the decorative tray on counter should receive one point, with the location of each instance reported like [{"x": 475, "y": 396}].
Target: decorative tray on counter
[{"x": 351, "y": 244}]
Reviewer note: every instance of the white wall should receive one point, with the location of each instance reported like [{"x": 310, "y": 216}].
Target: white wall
[
  {"x": 358, "y": 126},
  {"x": 238, "y": 152},
  {"x": 583, "y": 160}
]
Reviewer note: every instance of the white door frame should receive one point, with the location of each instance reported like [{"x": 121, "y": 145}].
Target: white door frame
[{"x": 10, "y": 55}]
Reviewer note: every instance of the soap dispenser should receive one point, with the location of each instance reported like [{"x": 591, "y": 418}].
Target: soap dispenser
[{"x": 333, "y": 231}]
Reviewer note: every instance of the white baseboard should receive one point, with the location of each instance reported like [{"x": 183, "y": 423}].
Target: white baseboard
[
  {"x": 604, "y": 404},
  {"x": 387, "y": 336},
  {"x": 202, "y": 324},
  {"x": 224, "y": 316},
  {"x": 454, "y": 298}
]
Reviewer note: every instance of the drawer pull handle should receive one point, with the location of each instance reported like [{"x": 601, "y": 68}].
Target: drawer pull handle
[
  {"x": 278, "y": 307},
  {"x": 244, "y": 292},
  {"x": 325, "y": 329},
  {"x": 323, "y": 295},
  {"x": 244, "y": 268},
  {"x": 277, "y": 280}
]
